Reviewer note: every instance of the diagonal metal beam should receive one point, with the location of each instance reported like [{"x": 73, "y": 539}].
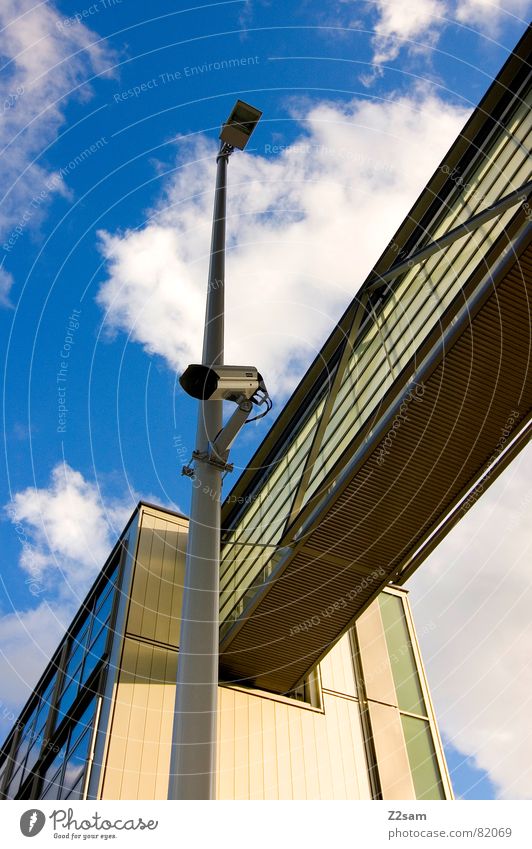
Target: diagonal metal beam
[
  {"x": 485, "y": 480},
  {"x": 519, "y": 196},
  {"x": 328, "y": 408}
]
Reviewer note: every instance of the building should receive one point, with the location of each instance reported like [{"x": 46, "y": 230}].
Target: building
[
  {"x": 419, "y": 398},
  {"x": 100, "y": 720}
]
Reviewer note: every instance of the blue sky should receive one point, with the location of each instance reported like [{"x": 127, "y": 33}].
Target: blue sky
[{"x": 109, "y": 125}]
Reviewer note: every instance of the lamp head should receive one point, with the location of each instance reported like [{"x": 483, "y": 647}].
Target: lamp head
[{"x": 239, "y": 126}]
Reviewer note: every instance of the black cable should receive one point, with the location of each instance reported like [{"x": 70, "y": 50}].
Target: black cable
[{"x": 269, "y": 405}]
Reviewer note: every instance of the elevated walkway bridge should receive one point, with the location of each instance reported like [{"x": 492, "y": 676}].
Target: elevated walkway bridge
[{"x": 418, "y": 400}]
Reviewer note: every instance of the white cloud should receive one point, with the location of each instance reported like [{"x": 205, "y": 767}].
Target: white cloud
[
  {"x": 490, "y": 15},
  {"x": 67, "y": 531},
  {"x": 400, "y": 23},
  {"x": 476, "y": 589},
  {"x": 28, "y": 638},
  {"x": 304, "y": 228},
  {"x": 43, "y": 64},
  {"x": 6, "y": 282},
  {"x": 415, "y": 26}
]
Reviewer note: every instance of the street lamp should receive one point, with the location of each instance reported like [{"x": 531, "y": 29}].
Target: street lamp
[{"x": 193, "y": 755}]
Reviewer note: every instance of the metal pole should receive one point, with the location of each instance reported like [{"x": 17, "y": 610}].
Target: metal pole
[{"x": 193, "y": 756}]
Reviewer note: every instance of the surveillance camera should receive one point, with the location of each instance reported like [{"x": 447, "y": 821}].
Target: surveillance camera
[{"x": 227, "y": 383}]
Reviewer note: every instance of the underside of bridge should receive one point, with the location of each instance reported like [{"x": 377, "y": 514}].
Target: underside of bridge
[{"x": 405, "y": 480}]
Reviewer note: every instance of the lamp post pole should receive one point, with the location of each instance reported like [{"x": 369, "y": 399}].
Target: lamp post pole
[{"x": 193, "y": 754}]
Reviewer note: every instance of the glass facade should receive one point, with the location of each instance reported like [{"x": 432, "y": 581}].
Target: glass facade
[
  {"x": 398, "y": 321},
  {"x": 63, "y": 775},
  {"x": 412, "y": 706},
  {"x": 402, "y": 660},
  {"x": 422, "y": 758},
  {"x": 247, "y": 555},
  {"x": 47, "y": 754}
]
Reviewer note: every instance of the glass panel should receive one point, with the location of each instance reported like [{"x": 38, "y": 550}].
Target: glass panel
[
  {"x": 243, "y": 564},
  {"x": 25, "y": 742},
  {"x": 52, "y": 791},
  {"x": 3, "y": 769},
  {"x": 82, "y": 724},
  {"x": 20, "y": 754},
  {"x": 52, "y": 775},
  {"x": 111, "y": 580},
  {"x": 77, "y": 791},
  {"x": 76, "y": 656},
  {"x": 33, "y": 754},
  {"x": 44, "y": 706},
  {"x": 95, "y": 653},
  {"x": 422, "y": 757},
  {"x": 75, "y": 765},
  {"x": 103, "y": 611},
  {"x": 67, "y": 699},
  {"x": 402, "y": 660},
  {"x": 14, "y": 784}
]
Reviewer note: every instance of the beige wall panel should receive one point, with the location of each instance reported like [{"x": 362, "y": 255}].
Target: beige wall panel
[
  {"x": 337, "y": 669},
  {"x": 374, "y": 656},
  {"x": 327, "y": 669},
  {"x": 116, "y": 754},
  {"x": 173, "y": 569},
  {"x": 256, "y": 769},
  {"x": 269, "y": 752},
  {"x": 289, "y": 751},
  {"x": 323, "y": 752},
  {"x": 166, "y": 583},
  {"x": 267, "y": 748},
  {"x": 167, "y": 722},
  {"x": 218, "y": 737},
  {"x": 139, "y": 752},
  {"x": 152, "y": 730},
  {"x": 358, "y": 750},
  {"x": 158, "y": 583},
  {"x": 349, "y": 727},
  {"x": 309, "y": 719},
  {"x": 140, "y": 578},
  {"x": 297, "y": 753},
  {"x": 112, "y": 782},
  {"x": 241, "y": 746},
  {"x": 282, "y": 741},
  {"x": 335, "y": 747},
  {"x": 137, "y": 724},
  {"x": 153, "y": 585},
  {"x": 226, "y": 743},
  {"x": 392, "y": 757},
  {"x": 177, "y": 589}
]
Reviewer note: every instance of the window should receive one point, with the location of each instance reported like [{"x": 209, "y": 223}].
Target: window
[
  {"x": 422, "y": 758},
  {"x": 75, "y": 766},
  {"x": 32, "y": 751},
  {"x": 417, "y": 730},
  {"x": 402, "y": 660},
  {"x": 309, "y": 691},
  {"x": 88, "y": 646},
  {"x": 20, "y": 756},
  {"x": 63, "y": 776}
]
